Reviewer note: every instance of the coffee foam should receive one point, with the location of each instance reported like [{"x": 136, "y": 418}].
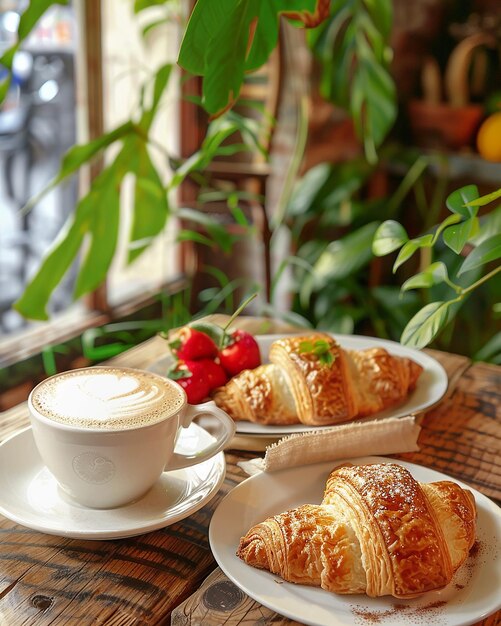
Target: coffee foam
[{"x": 106, "y": 398}]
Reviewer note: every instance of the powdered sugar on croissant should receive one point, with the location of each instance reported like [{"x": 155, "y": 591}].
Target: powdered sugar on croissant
[
  {"x": 299, "y": 386},
  {"x": 377, "y": 531}
]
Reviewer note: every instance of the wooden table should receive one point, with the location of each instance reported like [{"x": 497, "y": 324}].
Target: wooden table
[{"x": 162, "y": 577}]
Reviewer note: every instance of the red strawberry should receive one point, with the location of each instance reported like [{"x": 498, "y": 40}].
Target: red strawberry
[
  {"x": 189, "y": 344},
  {"x": 191, "y": 377},
  {"x": 241, "y": 354},
  {"x": 213, "y": 371}
]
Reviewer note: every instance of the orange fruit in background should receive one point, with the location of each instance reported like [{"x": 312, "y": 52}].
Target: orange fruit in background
[{"x": 489, "y": 138}]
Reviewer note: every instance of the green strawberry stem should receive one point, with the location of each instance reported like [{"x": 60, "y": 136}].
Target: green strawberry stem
[
  {"x": 225, "y": 339},
  {"x": 239, "y": 310},
  {"x": 176, "y": 374},
  {"x": 218, "y": 334}
]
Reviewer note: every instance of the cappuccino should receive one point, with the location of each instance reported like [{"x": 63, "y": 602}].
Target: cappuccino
[{"x": 107, "y": 398}]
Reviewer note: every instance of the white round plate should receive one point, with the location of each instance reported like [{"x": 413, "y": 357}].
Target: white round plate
[
  {"x": 471, "y": 596},
  {"x": 431, "y": 385},
  {"x": 29, "y": 494}
]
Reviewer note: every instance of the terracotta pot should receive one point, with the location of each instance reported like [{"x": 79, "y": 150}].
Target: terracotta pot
[{"x": 444, "y": 126}]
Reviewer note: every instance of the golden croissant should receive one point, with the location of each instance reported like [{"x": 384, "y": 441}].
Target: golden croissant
[
  {"x": 377, "y": 531},
  {"x": 320, "y": 385}
]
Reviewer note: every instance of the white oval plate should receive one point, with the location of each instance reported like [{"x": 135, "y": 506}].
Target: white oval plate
[
  {"x": 431, "y": 385},
  {"x": 29, "y": 494},
  {"x": 472, "y": 595}
]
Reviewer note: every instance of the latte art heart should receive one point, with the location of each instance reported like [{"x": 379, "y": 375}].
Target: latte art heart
[
  {"x": 107, "y": 398},
  {"x": 104, "y": 387}
]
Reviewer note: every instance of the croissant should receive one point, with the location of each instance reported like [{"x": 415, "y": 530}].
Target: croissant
[
  {"x": 377, "y": 531},
  {"x": 303, "y": 386}
]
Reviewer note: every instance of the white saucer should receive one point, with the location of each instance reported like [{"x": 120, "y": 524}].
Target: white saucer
[{"x": 29, "y": 494}]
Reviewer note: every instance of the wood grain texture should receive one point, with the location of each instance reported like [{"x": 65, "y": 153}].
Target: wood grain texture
[
  {"x": 219, "y": 601},
  {"x": 461, "y": 436},
  {"x": 146, "y": 580},
  {"x": 52, "y": 580}
]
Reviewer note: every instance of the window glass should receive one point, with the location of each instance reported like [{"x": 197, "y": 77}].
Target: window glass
[{"x": 37, "y": 125}]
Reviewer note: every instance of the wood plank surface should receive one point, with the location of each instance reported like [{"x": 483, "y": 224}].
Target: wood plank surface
[
  {"x": 46, "y": 579},
  {"x": 219, "y": 601},
  {"x": 170, "y": 576},
  {"x": 461, "y": 436}
]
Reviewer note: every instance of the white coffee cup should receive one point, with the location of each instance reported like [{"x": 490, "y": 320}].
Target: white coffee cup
[{"x": 108, "y": 433}]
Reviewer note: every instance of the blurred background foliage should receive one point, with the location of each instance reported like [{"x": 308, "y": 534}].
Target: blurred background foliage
[{"x": 344, "y": 271}]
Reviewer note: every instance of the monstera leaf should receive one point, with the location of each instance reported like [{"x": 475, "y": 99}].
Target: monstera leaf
[
  {"x": 94, "y": 225},
  {"x": 227, "y": 38},
  {"x": 352, "y": 46}
]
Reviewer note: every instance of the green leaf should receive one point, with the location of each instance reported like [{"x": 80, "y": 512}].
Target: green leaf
[
  {"x": 177, "y": 374},
  {"x": 102, "y": 205},
  {"x": 396, "y": 306},
  {"x": 32, "y": 303},
  {"x": 224, "y": 22},
  {"x": 345, "y": 256},
  {"x": 191, "y": 235},
  {"x": 408, "y": 249},
  {"x": 265, "y": 37},
  {"x": 456, "y": 236},
  {"x": 308, "y": 188},
  {"x": 224, "y": 39},
  {"x": 4, "y": 87},
  {"x": 330, "y": 190},
  {"x": 95, "y": 218},
  {"x": 217, "y": 232},
  {"x": 488, "y": 250},
  {"x": 217, "y": 133},
  {"x": 459, "y": 201},
  {"x": 193, "y": 164},
  {"x": 162, "y": 77},
  {"x": 320, "y": 348},
  {"x": 79, "y": 155},
  {"x": 27, "y": 21},
  {"x": 151, "y": 208},
  {"x": 345, "y": 180},
  {"x": 141, "y": 5},
  {"x": 389, "y": 236},
  {"x": 375, "y": 108},
  {"x": 455, "y": 218},
  {"x": 426, "y": 324},
  {"x": 489, "y": 225},
  {"x": 152, "y": 25},
  {"x": 33, "y": 12},
  {"x": 353, "y": 49},
  {"x": 405, "y": 253},
  {"x": 239, "y": 216},
  {"x": 7, "y": 58},
  {"x": 487, "y": 199},
  {"x": 433, "y": 275},
  {"x": 491, "y": 351},
  {"x": 381, "y": 14},
  {"x": 96, "y": 352},
  {"x": 215, "y": 332}
]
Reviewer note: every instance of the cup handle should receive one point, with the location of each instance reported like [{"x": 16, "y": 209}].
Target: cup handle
[{"x": 179, "y": 461}]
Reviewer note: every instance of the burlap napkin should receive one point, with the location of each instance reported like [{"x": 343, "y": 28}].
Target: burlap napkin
[{"x": 375, "y": 437}]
